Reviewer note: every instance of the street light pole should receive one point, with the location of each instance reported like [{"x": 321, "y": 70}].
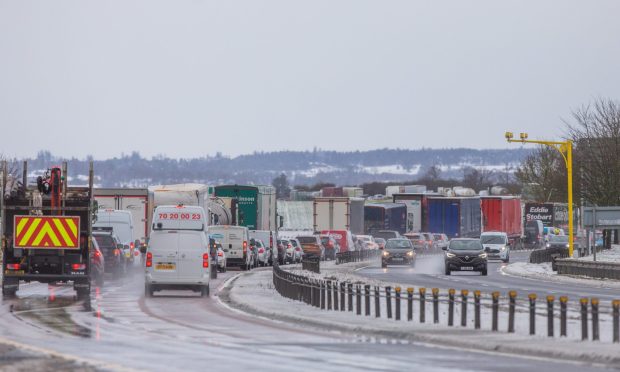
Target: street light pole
[{"x": 565, "y": 148}]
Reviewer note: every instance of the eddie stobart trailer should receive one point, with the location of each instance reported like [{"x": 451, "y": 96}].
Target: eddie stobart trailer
[{"x": 46, "y": 231}]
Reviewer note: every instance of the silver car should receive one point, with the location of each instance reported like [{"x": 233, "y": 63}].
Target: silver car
[
  {"x": 264, "y": 253},
  {"x": 294, "y": 253}
]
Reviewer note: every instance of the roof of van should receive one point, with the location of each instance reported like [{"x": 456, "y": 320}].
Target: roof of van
[{"x": 184, "y": 187}]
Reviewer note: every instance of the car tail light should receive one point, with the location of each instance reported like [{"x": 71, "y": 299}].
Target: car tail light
[
  {"x": 290, "y": 245},
  {"x": 78, "y": 266},
  {"x": 245, "y": 247},
  {"x": 220, "y": 254},
  {"x": 149, "y": 259},
  {"x": 13, "y": 266},
  {"x": 205, "y": 260},
  {"x": 97, "y": 253},
  {"x": 131, "y": 245},
  {"x": 117, "y": 252},
  {"x": 136, "y": 253},
  {"x": 261, "y": 250}
]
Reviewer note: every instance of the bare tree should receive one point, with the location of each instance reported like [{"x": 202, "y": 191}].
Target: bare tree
[
  {"x": 477, "y": 179},
  {"x": 543, "y": 175},
  {"x": 595, "y": 131}
]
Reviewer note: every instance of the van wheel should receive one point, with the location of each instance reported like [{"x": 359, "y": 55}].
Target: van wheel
[
  {"x": 148, "y": 290},
  {"x": 205, "y": 291}
]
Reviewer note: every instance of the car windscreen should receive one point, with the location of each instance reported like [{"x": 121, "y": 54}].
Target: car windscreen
[
  {"x": 398, "y": 244},
  {"x": 307, "y": 239},
  {"x": 465, "y": 245},
  {"x": 294, "y": 242},
  {"x": 105, "y": 242},
  {"x": 493, "y": 239},
  {"x": 437, "y": 236},
  {"x": 558, "y": 238}
]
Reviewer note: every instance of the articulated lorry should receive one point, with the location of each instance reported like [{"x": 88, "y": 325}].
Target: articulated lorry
[
  {"x": 46, "y": 235},
  {"x": 338, "y": 213},
  {"x": 251, "y": 206}
]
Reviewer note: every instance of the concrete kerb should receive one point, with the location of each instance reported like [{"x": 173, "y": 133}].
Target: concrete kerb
[{"x": 485, "y": 341}]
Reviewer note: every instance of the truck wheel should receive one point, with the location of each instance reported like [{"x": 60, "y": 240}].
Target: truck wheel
[{"x": 8, "y": 288}]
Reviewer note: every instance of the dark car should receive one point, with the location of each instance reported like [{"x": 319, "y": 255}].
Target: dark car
[
  {"x": 112, "y": 252},
  {"x": 398, "y": 251},
  {"x": 97, "y": 264},
  {"x": 558, "y": 241},
  {"x": 465, "y": 255}
]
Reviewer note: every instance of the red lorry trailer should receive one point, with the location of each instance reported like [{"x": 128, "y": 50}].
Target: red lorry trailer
[{"x": 502, "y": 214}]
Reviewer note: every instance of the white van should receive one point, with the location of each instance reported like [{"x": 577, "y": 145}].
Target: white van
[
  {"x": 121, "y": 223},
  {"x": 496, "y": 245},
  {"x": 236, "y": 244},
  {"x": 177, "y": 256}
]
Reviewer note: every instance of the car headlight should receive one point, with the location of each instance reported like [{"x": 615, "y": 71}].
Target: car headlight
[
  {"x": 482, "y": 255},
  {"x": 410, "y": 253},
  {"x": 567, "y": 245},
  {"x": 503, "y": 248},
  {"x": 548, "y": 245},
  {"x": 450, "y": 255},
  {"x": 386, "y": 253}
]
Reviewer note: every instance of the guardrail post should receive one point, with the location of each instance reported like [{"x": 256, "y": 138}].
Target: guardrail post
[
  {"x": 335, "y": 287},
  {"x": 316, "y": 292},
  {"x": 532, "y": 298},
  {"x": 595, "y": 324},
  {"x": 477, "y": 309},
  {"x": 464, "y": 293},
  {"x": 358, "y": 299},
  {"x": 329, "y": 295},
  {"x": 550, "y": 300},
  {"x": 422, "y": 292},
  {"x": 367, "y": 298},
  {"x": 616, "y": 320},
  {"x": 388, "y": 301},
  {"x": 343, "y": 293},
  {"x": 409, "y": 303},
  {"x": 451, "y": 292},
  {"x": 512, "y": 297},
  {"x": 322, "y": 289},
  {"x": 350, "y": 295},
  {"x": 563, "y": 309},
  {"x": 495, "y": 310},
  {"x": 435, "y": 305},
  {"x": 377, "y": 303},
  {"x": 584, "y": 318},
  {"x": 397, "y": 295}
]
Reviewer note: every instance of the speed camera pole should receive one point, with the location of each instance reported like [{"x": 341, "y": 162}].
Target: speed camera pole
[{"x": 565, "y": 148}]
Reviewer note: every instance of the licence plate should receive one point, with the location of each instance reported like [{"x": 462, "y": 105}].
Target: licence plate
[
  {"x": 467, "y": 268},
  {"x": 165, "y": 266},
  {"x": 397, "y": 259}
]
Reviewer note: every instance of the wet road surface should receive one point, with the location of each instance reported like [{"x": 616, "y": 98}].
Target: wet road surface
[{"x": 174, "y": 331}]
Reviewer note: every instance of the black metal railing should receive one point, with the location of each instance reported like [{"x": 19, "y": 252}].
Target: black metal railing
[
  {"x": 333, "y": 295},
  {"x": 311, "y": 264}
]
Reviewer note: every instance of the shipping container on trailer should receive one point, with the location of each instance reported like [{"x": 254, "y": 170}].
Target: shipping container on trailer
[
  {"x": 502, "y": 214},
  {"x": 416, "y": 206},
  {"x": 339, "y": 214},
  {"x": 136, "y": 201},
  {"x": 385, "y": 216},
  {"x": 455, "y": 217},
  {"x": 255, "y": 205}
]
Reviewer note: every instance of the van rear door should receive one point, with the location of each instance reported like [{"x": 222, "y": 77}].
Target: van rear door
[
  {"x": 191, "y": 247},
  {"x": 163, "y": 247}
]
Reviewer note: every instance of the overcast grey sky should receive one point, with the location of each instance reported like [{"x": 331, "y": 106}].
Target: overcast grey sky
[{"x": 189, "y": 78}]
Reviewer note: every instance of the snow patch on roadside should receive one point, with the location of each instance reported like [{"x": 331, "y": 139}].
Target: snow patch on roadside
[
  {"x": 543, "y": 271},
  {"x": 607, "y": 255}
]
